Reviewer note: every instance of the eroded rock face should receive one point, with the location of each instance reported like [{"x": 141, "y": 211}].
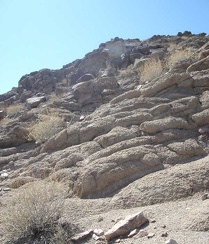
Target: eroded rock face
[
  {"x": 120, "y": 128},
  {"x": 16, "y": 136},
  {"x": 166, "y": 185}
]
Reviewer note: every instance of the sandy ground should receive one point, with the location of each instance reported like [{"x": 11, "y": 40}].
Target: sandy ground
[{"x": 173, "y": 218}]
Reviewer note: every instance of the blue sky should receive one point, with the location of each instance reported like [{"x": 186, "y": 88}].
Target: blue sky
[{"x": 38, "y": 34}]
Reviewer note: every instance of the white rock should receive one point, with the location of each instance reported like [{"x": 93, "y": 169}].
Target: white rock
[
  {"x": 4, "y": 175},
  {"x": 95, "y": 237},
  {"x": 142, "y": 233},
  {"x": 82, "y": 235},
  {"x": 123, "y": 227},
  {"x": 117, "y": 241},
  {"x": 171, "y": 241},
  {"x": 150, "y": 235},
  {"x": 82, "y": 117},
  {"x": 98, "y": 232},
  {"x": 133, "y": 233}
]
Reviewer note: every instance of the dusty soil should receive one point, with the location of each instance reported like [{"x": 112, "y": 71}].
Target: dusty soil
[{"x": 179, "y": 219}]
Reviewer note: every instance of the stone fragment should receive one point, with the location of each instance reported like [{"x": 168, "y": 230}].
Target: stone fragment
[
  {"x": 171, "y": 241},
  {"x": 100, "y": 218},
  {"x": 133, "y": 233},
  {"x": 96, "y": 237},
  {"x": 2, "y": 114},
  {"x": 150, "y": 235},
  {"x": 6, "y": 189},
  {"x": 98, "y": 232},
  {"x": 4, "y": 175},
  {"x": 100, "y": 241},
  {"x": 141, "y": 234},
  {"x": 203, "y": 129},
  {"x": 34, "y": 102},
  {"x": 126, "y": 225},
  {"x": 82, "y": 235},
  {"x": 204, "y": 196},
  {"x": 117, "y": 241},
  {"x": 164, "y": 234}
]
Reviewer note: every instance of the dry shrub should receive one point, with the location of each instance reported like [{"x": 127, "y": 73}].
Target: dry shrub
[
  {"x": 151, "y": 69},
  {"x": 47, "y": 127},
  {"x": 64, "y": 82},
  {"x": 32, "y": 213},
  {"x": 6, "y": 121},
  {"x": 178, "y": 55},
  {"x": 12, "y": 112},
  {"x": 13, "y": 109},
  {"x": 20, "y": 181}
]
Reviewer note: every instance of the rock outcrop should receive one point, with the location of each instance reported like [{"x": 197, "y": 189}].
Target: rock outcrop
[{"x": 128, "y": 109}]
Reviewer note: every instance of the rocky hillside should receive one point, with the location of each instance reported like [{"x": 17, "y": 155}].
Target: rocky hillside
[{"x": 129, "y": 123}]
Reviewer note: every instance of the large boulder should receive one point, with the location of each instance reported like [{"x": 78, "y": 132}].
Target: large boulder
[
  {"x": 202, "y": 64},
  {"x": 16, "y": 136},
  {"x": 169, "y": 184},
  {"x": 108, "y": 174},
  {"x": 85, "y": 77},
  {"x": 159, "y": 84},
  {"x": 201, "y": 118},
  {"x": 117, "y": 134},
  {"x": 123, "y": 227},
  {"x": 158, "y": 125},
  {"x": 34, "y": 102}
]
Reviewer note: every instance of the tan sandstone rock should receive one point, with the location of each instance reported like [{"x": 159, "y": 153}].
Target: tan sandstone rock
[{"x": 126, "y": 225}]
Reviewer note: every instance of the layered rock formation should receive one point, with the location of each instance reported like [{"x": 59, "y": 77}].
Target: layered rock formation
[{"x": 128, "y": 109}]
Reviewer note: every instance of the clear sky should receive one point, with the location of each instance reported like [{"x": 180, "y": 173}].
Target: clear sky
[{"x": 36, "y": 34}]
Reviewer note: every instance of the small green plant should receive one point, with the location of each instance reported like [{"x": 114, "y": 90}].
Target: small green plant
[{"x": 32, "y": 212}]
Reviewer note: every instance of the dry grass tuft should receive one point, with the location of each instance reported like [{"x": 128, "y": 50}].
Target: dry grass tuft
[
  {"x": 6, "y": 121},
  {"x": 150, "y": 70},
  {"x": 13, "y": 109},
  {"x": 33, "y": 212},
  {"x": 12, "y": 112},
  {"x": 178, "y": 55},
  {"x": 47, "y": 127},
  {"x": 20, "y": 181}
]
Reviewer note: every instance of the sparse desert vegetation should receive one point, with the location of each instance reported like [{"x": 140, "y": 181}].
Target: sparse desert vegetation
[
  {"x": 85, "y": 147},
  {"x": 13, "y": 109},
  {"x": 177, "y": 55},
  {"x": 46, "y": 127},
  {"x": 150, "y": 69},
  {"x": 33, "y": 212}
]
